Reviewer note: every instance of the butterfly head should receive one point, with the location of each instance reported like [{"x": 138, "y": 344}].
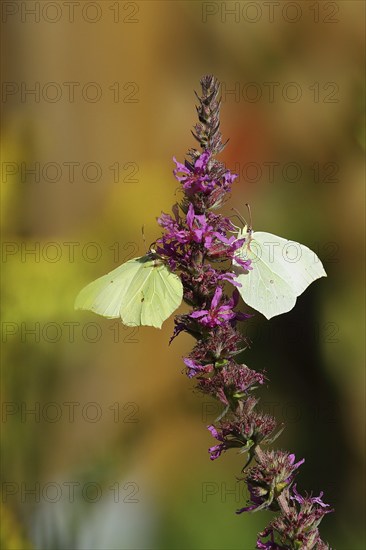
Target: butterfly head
[{"x": 245, "y": 233}]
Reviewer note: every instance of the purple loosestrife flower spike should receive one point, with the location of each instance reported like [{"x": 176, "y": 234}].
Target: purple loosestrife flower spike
[
  {"x": 298, "y": 527},
  {"x": 200, "y": 245},
  {"x": 274, "y": 472},
  {"x": 207, "y": 131}
]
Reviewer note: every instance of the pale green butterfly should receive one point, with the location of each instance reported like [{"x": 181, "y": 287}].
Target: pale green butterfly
[
  {"x": 281, "y": 271},
  {"x": 142, "y": 291}
]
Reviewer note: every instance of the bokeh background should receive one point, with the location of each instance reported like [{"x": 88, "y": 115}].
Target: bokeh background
[{"x": 114, "y": 454}]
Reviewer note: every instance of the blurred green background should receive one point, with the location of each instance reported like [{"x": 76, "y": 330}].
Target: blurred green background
[{"x": 114, "y": 454}]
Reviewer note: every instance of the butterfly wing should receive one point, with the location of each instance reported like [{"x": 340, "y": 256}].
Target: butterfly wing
[
  {"x": 162, "y": 296},
  {"x": 293, "y": 261},
  {"x": 134, "y": 292},
  {"x": 105, "y": 295},
  {"x": 282, "y": 270},
  {"x": 261, "y": 288}
]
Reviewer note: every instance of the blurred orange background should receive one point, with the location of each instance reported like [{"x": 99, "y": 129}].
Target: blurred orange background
[{"x": 114, "y": 454}]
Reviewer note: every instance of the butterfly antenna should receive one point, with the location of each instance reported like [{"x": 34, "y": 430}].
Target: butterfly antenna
[
  {"x": 152, "y": 247},
  {"x": 143, "y": 237},
  {"x": 250, "y": 215},
  {"x": 243, "y": 220}
]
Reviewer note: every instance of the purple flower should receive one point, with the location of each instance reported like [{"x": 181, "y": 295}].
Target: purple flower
[
  {"x": 267, "y": 480},
  {"x": 216, "y": 315},
  {"x": 230, "y": 382},
  {"x": 184, "y": 323},
  {"x": 270, "y": 545},
  {"x": 298, "y": 526},
  {"x": 213, "y": 277},
  {"x": 227, "y": 246},
  {"x": 173, "y": 229},
  {"x": 220, "y": 343},
  {"x": 233, "y": 302},
  {"x": 216, "y": 450},
  {"x": 219, "y": 314},
  {"x": 313, "y": 500},
  {"x": 209, "y": 231},
  {"x": 244, "y": 430},
  {"x": 195, "y": 180},
  {"x": 180, "y": 236},
  {"x": 199, "y": 178},
  {"x": 199, "y": 230},
  {"x": 245, "y": 264},
  {"x": 194, "y": 367}
]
